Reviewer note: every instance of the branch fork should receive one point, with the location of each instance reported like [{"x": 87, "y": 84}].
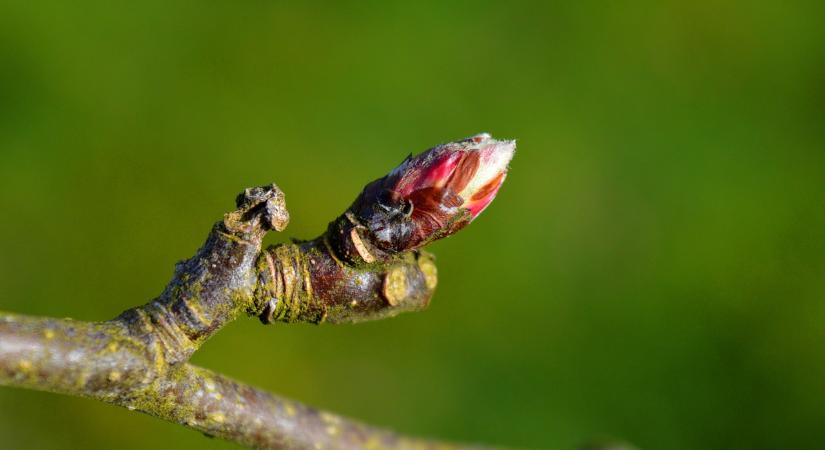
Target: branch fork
[{"x": 368, "y": 265}]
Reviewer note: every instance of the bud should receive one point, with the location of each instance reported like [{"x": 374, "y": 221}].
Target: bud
[{"x": 428, "y": 197}]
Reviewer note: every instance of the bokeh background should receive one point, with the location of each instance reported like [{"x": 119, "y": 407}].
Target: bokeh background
[{"x": 653, "y": 270}]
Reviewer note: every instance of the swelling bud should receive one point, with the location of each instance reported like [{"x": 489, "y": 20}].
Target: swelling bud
[{"x": 427, "y": 197}]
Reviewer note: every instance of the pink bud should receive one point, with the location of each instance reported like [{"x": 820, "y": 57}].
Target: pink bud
[{"x": 432, "y": 195}]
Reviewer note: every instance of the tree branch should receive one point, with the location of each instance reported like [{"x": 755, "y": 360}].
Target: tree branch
[
  {"x": 99, "y": 361},
  {"x": 368, "y": 265}
]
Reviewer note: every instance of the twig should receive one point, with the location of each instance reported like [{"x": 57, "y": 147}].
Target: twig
[{"x": 366, "y": 266}]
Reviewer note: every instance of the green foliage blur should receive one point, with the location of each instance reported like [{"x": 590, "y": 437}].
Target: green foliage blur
[{"x": 653, "y": 269}]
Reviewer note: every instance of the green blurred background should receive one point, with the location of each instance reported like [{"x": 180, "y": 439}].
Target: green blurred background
[{"x": 653, "y": 269}]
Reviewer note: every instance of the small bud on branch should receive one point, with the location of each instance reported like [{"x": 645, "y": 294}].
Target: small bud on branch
[
  {"x": 368, "y": 265},
  {"x": 427, "y": 197}
]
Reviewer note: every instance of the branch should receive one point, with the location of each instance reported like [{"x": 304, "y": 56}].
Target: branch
[
  {"x": 368, "y": 265},
  {"x": 90, "y": 360}
]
